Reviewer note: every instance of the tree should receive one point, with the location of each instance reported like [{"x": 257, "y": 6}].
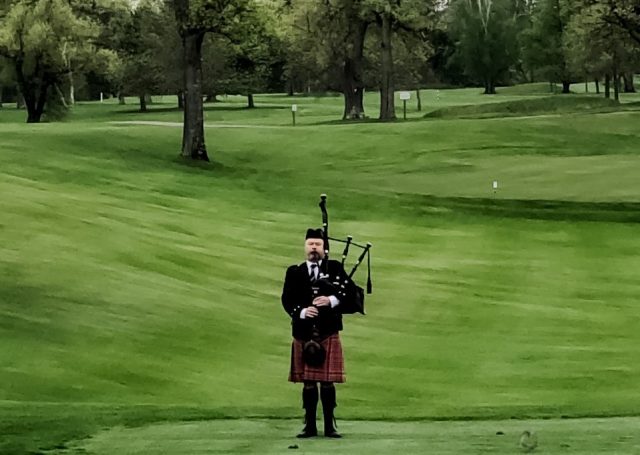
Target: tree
[
  {"x": 586, "y": 53},
  {"x": 412, "y": 18},
  {"x": 349, "y": 22},
  {"x": 169, "y": 55},
  {"x": 326, "y": 48},
  {"x": 253, "y": 53},
  {"x": 7, "y": 78},
  {"x": 356, "y": 26},
  {"x": 410, "y": 63},
  {"x": 94, "y": 63},
  {"x": 543, "y": 42},
  {"x": 143, "y": 73},
  {"x": 523, "y": 21},
  {"x": 411, "y": 66},
  {"x": 34, "y": 35},
  {"x": 217, "y": 66},
  {"x": 119, "y": 36},
  {"x": 384, "y": 18},
  {"x": 194, "y": 19},
  {"x": 598, "y": 47},
  {"x": 312, "y": 58},
  {"x": 444, "y": 66},
  {"x": 485, "y": 37},
  {"x": 625, "y": 14}
]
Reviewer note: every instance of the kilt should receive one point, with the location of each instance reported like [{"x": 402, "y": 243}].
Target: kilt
[{"x": 331, "y": 371}]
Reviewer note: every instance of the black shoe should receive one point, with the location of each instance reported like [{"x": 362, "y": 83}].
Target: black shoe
[
  {"x": 331, "y": 432},
  {"x": 308, "y": 432}
]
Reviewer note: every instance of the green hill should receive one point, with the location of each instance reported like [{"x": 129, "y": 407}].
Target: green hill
[
  {"x": 553, "y": 105},
  {"x": 136, "y": 288}
]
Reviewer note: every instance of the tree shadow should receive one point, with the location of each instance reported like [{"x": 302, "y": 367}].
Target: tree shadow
[
  {"x": 208, "y": 107},
  {"x": 214, "y": 167},
  {"x": 367, "y": 121}
]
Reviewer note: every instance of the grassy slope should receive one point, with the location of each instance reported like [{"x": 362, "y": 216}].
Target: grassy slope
[
  {"x": 548, "y": 105},
  {"x": 583, "y": 437},
  {"x": 128, "y": 277}
]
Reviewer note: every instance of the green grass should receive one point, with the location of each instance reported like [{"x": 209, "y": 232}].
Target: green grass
[
  {"x": 584, "y": 437},
  {"x": 550, "y": 105},
  {"x": 135, "y": 288},
  {"x": 536, "y": 88}
]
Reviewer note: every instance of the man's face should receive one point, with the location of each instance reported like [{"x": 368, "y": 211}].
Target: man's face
[{"x": 314, "y": 249}]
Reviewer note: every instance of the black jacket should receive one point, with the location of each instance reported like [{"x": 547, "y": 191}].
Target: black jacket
[{"x": 297, "y": 294}]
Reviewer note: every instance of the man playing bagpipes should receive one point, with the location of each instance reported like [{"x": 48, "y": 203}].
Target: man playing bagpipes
[{"x": 316, "y": 294}]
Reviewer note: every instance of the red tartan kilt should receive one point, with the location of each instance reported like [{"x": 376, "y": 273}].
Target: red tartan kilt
[{"x": 331, "y": 371}]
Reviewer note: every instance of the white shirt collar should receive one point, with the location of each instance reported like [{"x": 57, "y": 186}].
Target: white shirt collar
[{"x": 319, "y": 263}]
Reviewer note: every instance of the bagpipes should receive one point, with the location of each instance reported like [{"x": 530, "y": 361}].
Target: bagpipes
[
  {"x": 337, "y": 285},
  {"x": 351, "y": 296}
]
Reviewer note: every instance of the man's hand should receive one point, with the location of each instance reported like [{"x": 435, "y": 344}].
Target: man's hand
[
  {"x": 321, "y": 301},
  {"x": 311, "y": 312}
]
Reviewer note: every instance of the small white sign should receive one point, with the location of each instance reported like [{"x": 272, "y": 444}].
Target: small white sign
[
  {"x": 294, "y": 108},
  {"x": 495, "y": 184},
  {"x": 404, "y": 96}
]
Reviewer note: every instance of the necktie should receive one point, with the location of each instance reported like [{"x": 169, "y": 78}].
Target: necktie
[{"x": 312, "y": 274}]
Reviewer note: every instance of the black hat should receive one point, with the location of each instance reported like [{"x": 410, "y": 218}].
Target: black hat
[{"x": 314, "y": 234}]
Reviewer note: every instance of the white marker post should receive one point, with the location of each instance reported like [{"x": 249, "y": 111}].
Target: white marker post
[
  {"x": 495, "y": 186},
  {"x": 294, "y": 109},
  {"x": 405, "y": 96},
  {"x": 101, "y": 97}
]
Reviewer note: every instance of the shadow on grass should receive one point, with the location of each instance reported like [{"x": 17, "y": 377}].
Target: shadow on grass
[
  {"x": 367, "y": 121},
  {"x": 213, "y": 167},
  {"x": 537, "y": 209},
  {"x": 208, "y": 107}
]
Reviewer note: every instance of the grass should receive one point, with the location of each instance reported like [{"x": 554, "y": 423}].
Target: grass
[
  {"x": 275, "y": 109},
  {"x": 584, "y": 437},
  {"x": 552, "y": 105},
  {"x": 536, "y": 88},
  {"x": 136, "y": 289}
]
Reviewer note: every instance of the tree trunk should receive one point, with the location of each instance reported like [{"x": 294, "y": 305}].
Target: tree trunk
[
  {"x": 629, "y": 86},
  {"x": 616, "y": 81},
  {"x": 489, "y": 87},
  {"x": 597, "y": 86},
  {"x": 586, "y": 86},
  {"x": 419, "y": 100},
  {"x": 20, "y": 104},
  {"x": 148, "y": 99},
  {"x": 143, "y": 103},
  {"x": 61, "y": 95},
  {"x": 212, "y": 98},
  {"x": 352, "y": 75},
  {"x": 181, "y": 100},
  {"x": 290, "y": 88},
  {"x": 566, "y": 87},
  {"x": 250, "y": 102},
  {"x": 607, "y": 86},
  {"x": 121, "y": 99},
  {"x": 72, "y": 90},
  {"x": 387, "y": 95},
  {"x": 193, "y": 145},
  {"x": 34, "y": 93},
  {"x": 1, "y": 96},
  {"x": 35, "y": 104}
]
